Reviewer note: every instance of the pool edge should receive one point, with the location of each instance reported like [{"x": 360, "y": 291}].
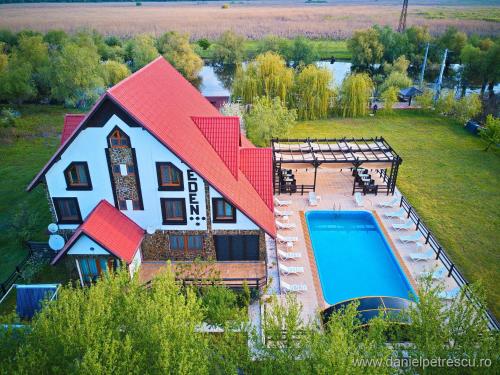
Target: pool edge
[{"x": 322, "y": 304}]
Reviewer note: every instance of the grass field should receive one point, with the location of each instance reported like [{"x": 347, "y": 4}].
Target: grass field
[
  {"x": 448, "y": 178},
  {"x": 252, "y": 19},
  {"x": 452, "y": 183}
]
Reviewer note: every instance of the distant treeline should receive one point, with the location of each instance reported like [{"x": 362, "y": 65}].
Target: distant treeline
[{"x": 90, "y": 1}]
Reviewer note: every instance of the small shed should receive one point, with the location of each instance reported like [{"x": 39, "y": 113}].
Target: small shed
[{"x": 408, "y": 93}]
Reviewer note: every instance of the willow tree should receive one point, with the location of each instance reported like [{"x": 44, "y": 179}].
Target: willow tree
[
  {"x": 266, "y": 76},
  {"x": 355, "y": 94},
  {"x": 389, "y": 96},
  {"x": 312, "y": 92}
]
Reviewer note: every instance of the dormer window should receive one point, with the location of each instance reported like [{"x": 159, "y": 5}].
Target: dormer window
[
  {"x": 118, "y": 139},
  {"x": 77, "y": 176},
  {"x": 223, "y": 211},
  {"x": 169, "y": 177}
]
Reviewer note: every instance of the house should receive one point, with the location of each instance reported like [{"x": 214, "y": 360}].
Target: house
[{"x": 153, "y": 173}]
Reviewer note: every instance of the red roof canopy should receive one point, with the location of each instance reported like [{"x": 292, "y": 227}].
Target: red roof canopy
[
  {"x": 257, "y": 165},
  {"x": 111, "y": 229},
  {"x": 71, "y": 122}
]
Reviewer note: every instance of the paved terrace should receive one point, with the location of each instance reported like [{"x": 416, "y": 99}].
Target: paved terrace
[{"x": 334, "y": 187}]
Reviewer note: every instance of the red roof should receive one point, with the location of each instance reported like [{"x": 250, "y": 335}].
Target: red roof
[
  {"x": 223, "y": 133},
  {"x": 245, "y": 142},
  {"x": 71, "y": 122},
  {"x": 111, "y": 229},
  {"x": 165, "y": 103},
  {"x": 257, "y": 165}
]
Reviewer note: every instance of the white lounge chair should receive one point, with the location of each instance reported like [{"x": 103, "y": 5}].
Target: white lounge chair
[
  {"x": 404, "y": 226},
  {"x": 415, "y": 237},
  {"x": 288, "y": 255},
  {"x": 293, "y": 288},
  {"x": 399, "y": 214},
  {"x": 358, "y": 198},
  {"x": 290, "y": 270},
  {"x": 282, "y": 213},
  {"x": 281, "y": 225},
  {"x": 435, "y": 275},
  {"x": 428, "y": 255},
  {"x": 449, "y": 294},
  {"x": 390, "y": 203},
  {"x": 285, "y": 239},
  {"x": 282, "y": 203},
  {"x": 313, "y": 199}
]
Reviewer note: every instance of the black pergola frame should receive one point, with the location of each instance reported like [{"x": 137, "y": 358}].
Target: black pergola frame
[{"x": 318, "y": 151}]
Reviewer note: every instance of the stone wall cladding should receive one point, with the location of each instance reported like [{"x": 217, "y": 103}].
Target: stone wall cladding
[
  {"x": 51, "y": 204},
  {"x": 126, "y": 187}
]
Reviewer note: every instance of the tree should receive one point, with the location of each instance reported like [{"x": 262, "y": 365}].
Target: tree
[
  {"x": 491, "y": 132},
  {"x": 268, "y": 118},
  {"x": 76, "y": 75},
  {"x": 399, "y": 65},
  {"x": 389, "y": 97},
  {"x": 34, "y": 50},
  {"x": 454, "y": 41},
  {"x": 178, "y": 51},
  {"x": 267, "y": 76},
  {"x": 312, "y": 92},
  {"x": 273, "y": 43},
  {"x": 467, "y": 108},
  {"x": 301, "y": 52},
  {"x": 114, "y": 72},
  {"x": 141, "y": 50},
  {"x": 16, "y": 80},
  {"x": 395, "y": 44},
  {"x": 365, "y": 47},
  {"x": 355, "y": 93},
  {"x": 229, "y": 48},
  {"x": 55, "y": 39}
]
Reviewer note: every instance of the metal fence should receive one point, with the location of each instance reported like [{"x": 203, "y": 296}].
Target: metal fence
[{"x": 430, "y": 239}]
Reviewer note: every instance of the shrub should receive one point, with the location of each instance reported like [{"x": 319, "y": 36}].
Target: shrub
[
  {"x": 389, "y": 97},
  {"x": 8, "y": 118},
  {"x": 491, "y": 132},
  {"x": 179, "y": 52},
  {"x": 229, "y": 48},
  {"x": 426, "y": 100}
]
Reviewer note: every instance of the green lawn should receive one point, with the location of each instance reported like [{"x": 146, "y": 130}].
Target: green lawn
[
  {"x": 326, "y": 49},
  {"x": 453, "y": 184},
  {"x": 23, "y": 152}
]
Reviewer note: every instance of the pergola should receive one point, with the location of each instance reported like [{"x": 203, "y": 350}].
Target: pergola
[{"x": 373, "y": 153}]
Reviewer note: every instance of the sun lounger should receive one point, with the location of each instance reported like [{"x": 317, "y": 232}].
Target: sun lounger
[
  {"x": 423, "y": 256},
  {"x": 404, "y": 226},
  {"x": 358, "y": 198},
  {"x": 288, "y": 256},
  {"x": 290, "y": 270},
  {"x": 313, "y": 199},
  {"x": 449, "y": 294},
  {"x": 282, "y": 202},
  {"x": 435, "y": 275},
  {"x": 399, "y": 214},
  {"x": 390, "y": 203},
  {"x": 281, "y": 225},
  {"x": 415, "y": 237},
  {"x": 282, "y": 213},
  {"x": 293, "y": 288},
  {"x": 285, "y": 239}
]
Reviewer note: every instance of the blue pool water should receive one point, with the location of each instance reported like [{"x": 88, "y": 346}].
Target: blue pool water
[{"x": 353, "y": 257}]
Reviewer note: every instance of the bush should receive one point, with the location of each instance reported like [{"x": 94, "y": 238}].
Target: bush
[
  {"x": 491, "y": 132},
  {"x": 229, "y": 48},
  {"x": 8, "y": 118},
  {"x": 426, "y": 100},
  {"x": 389, "y": 97},
  {"x": 204, "y": 43}
]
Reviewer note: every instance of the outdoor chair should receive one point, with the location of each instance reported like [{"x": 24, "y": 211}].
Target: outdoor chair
[
  {"x": 313, "y": 199},
  {"x": 281, "y": 225},
  {"x": 358, "y": 198},
  {"x": 407, "y": 225},
  {"x": 435, "y": 275},
  {"x": 399, "y": 214},
  {"x": 290, "y": 270},
  {"x": 389, "y": 204},
  {"x": 415, "y": 237},
  {"x": 282, "y": 213},
  {"x": 449, "y": 294},
  {"x": 286, "y": 239},
  {"x": 282, "y": 202},
  {"x": 428, "y": 255},
  {"x": 288, "y": 255},
  {"x": 293, "y": 288}
]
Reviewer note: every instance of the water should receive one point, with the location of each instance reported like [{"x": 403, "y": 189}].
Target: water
[
  {"x": 353, "y": 257},
  {"x": 217, "y": 80}
]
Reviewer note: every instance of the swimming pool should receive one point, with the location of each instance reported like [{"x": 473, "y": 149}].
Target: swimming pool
[{"x": 353, "y": 257}]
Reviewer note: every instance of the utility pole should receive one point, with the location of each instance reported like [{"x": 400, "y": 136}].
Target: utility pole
[
  {"x": 424, "y": 63},
  {"x": 402, "y": 17},
  {"x": 439, "y": 81}
]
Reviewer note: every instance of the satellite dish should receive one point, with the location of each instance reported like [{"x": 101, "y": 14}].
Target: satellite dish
[
  {"x": 150, "y": 230},
  {"x": 53, "y": 228},
  {"x": 56, "y": 242}
]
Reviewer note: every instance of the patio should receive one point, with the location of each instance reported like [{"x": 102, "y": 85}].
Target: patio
[{"x": 334, "y": 189}]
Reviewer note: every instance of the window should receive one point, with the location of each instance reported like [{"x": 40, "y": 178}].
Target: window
[
  {"x": 224, "y": 212},
  {"x": 169, "y": 177},
  {"x": 186, "y": 242},
  {"x": 173, "y": 211},
  {"x": 136, "y": 204},
  {"x": 77, "y": 176},
  {"x": 236, "y": 247},
  {"x": 118, "y": 139},
  {"x": 122, "y": 204},
  {"x": 116, "y": 169},
  {"x": 130, "y": 169},
  {"x": 67, "y": 210}
]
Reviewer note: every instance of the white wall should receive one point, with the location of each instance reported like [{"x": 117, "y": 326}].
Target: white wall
[
  {"x": 83, "y": 246},
  {"x": 90, "y": 146},
  {"x": 242, "y": 221},
  {"x": 136, "y": 262}
]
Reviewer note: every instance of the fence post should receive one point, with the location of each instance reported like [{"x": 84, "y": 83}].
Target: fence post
[
  {"x": 451, "y": 269},
  {"x": 428, "y": 236},
  {"x": 418, "y": 223},
  {"x": 409, "y": 212},
  {"x": 401, "y": 203}
]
